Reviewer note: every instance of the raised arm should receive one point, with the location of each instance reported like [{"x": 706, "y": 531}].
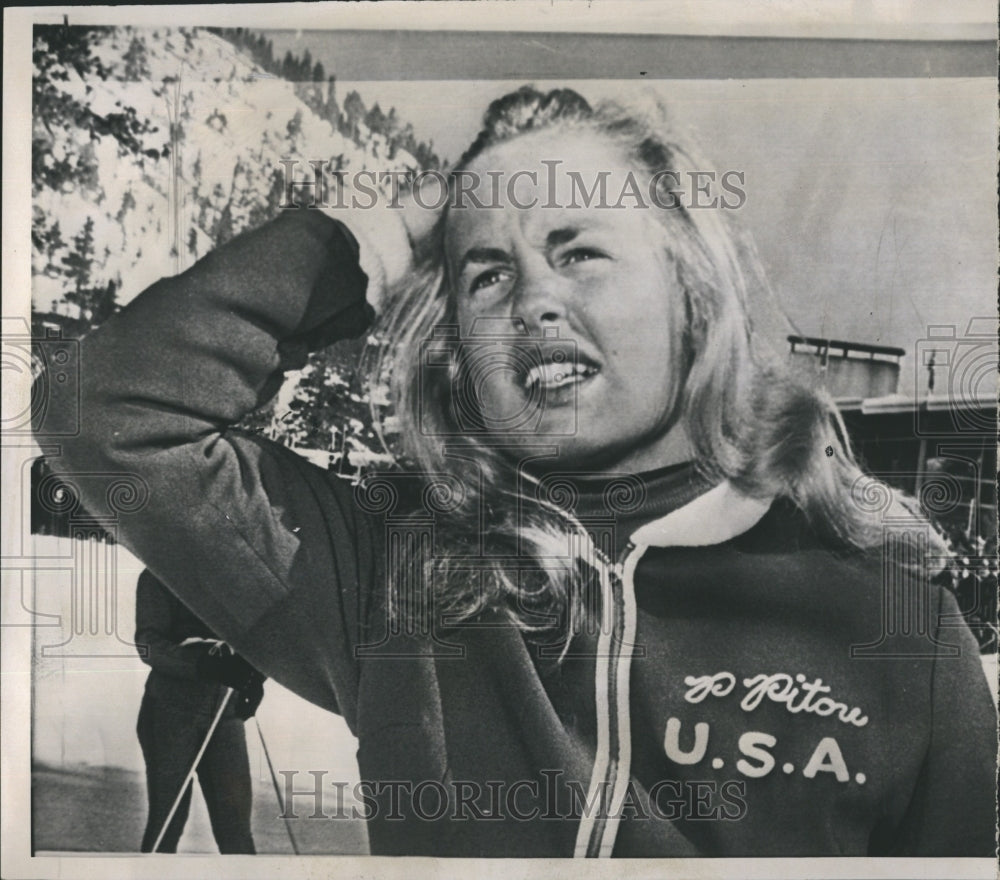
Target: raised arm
[{"x": 263, "y": 547}]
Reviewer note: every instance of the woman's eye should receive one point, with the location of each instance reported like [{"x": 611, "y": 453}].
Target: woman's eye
[
  {"x": 486, "y": 279},
  {"x": 582, "y": 255}
]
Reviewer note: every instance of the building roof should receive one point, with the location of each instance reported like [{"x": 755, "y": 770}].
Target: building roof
[{"x": 902, "y": 403}]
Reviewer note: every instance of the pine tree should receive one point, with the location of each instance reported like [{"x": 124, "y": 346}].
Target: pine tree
[
  {"x": 392, "y": 122},
  {"x": 331, "y": 111},
  {"x": 376, "y": 120},
  {"x": 95, "y": 303},
  {"x": 354, "y": 113},
  {"x": 136, "y": 61},
  {"x": 79, "y": 261}
]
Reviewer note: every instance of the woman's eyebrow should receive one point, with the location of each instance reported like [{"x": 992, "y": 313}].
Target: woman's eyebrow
[
  {"x": 561, "y": 236},
  {"x": 483, "y": 255},
  {"x": 554, "y": 239}
]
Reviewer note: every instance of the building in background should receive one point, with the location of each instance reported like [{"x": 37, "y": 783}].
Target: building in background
[{"x": 938, "y": 445}]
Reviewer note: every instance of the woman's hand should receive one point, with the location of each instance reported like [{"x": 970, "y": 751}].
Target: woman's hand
[{"x": 388, "y": 230}]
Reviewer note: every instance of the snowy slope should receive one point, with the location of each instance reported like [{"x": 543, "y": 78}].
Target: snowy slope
[
  {"x": 223, "y": 134},
  {"x": 232, "y": 124}
]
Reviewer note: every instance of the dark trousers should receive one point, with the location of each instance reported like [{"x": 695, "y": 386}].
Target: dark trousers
[{"x": 170, "y": 738}]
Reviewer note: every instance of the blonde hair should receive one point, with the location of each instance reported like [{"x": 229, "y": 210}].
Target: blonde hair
[{"x": 750, "y": 421}]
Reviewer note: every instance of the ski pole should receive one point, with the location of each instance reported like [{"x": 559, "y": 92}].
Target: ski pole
[
  {"x": 277, "y": 790},
  {"x": 194, "y": 767}
]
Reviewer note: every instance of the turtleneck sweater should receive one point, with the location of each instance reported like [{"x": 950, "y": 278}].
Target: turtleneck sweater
[{"x": 625, "y": 502}]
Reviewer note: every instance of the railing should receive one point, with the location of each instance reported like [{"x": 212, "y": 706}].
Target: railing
[{"x": 849, "y": 370}]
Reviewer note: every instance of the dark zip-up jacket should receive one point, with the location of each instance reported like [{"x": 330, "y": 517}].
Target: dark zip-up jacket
[{"x": 753, "y": 695}]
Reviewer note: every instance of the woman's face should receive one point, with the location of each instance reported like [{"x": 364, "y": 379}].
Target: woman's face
[{"x": 598, "y": 276}]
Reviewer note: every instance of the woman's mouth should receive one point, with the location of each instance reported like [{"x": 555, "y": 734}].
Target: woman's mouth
[{"x": 554, "y": 376}]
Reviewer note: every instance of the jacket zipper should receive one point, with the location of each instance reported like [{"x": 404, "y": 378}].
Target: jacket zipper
[{"x": 612, "y": 763}]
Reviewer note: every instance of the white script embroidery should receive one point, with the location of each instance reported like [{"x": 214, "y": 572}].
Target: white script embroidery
[{"x": 794, "y": 692}]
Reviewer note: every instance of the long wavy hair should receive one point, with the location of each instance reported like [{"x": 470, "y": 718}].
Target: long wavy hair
[{"x": 749, "y": 420}]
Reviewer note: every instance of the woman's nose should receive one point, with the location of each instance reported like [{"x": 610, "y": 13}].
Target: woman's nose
[{"x": 539, "y": 299}]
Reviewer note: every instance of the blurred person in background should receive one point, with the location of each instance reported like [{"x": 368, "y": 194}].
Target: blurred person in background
[{"x": 191, "y": 673}]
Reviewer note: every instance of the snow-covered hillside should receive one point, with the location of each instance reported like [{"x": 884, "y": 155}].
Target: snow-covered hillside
[
  {"x": 223, "y": 125},
  {"x": 153, "y": 146}
]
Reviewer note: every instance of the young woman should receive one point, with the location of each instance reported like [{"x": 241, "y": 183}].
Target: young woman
[{"x": 628, "y": 600}]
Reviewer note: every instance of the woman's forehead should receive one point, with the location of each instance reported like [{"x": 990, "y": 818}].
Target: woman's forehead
[
  {"x": 544, "y": 180},
  {"x": 537, "y": 164},
  {"x": 541, "y": 224}
]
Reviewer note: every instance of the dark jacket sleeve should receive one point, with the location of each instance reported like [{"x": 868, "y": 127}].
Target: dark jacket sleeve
[
  {"x": 953, "y": 810},
  {"x": 266, "y": 549},
  {"x": 153, "y": 616}
]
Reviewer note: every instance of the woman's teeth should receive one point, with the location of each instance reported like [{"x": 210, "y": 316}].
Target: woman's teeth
[{"x": 550, "y": 376}]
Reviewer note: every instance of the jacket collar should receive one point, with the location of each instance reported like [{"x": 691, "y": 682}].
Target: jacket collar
[{"x": 714, "y": 517}]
